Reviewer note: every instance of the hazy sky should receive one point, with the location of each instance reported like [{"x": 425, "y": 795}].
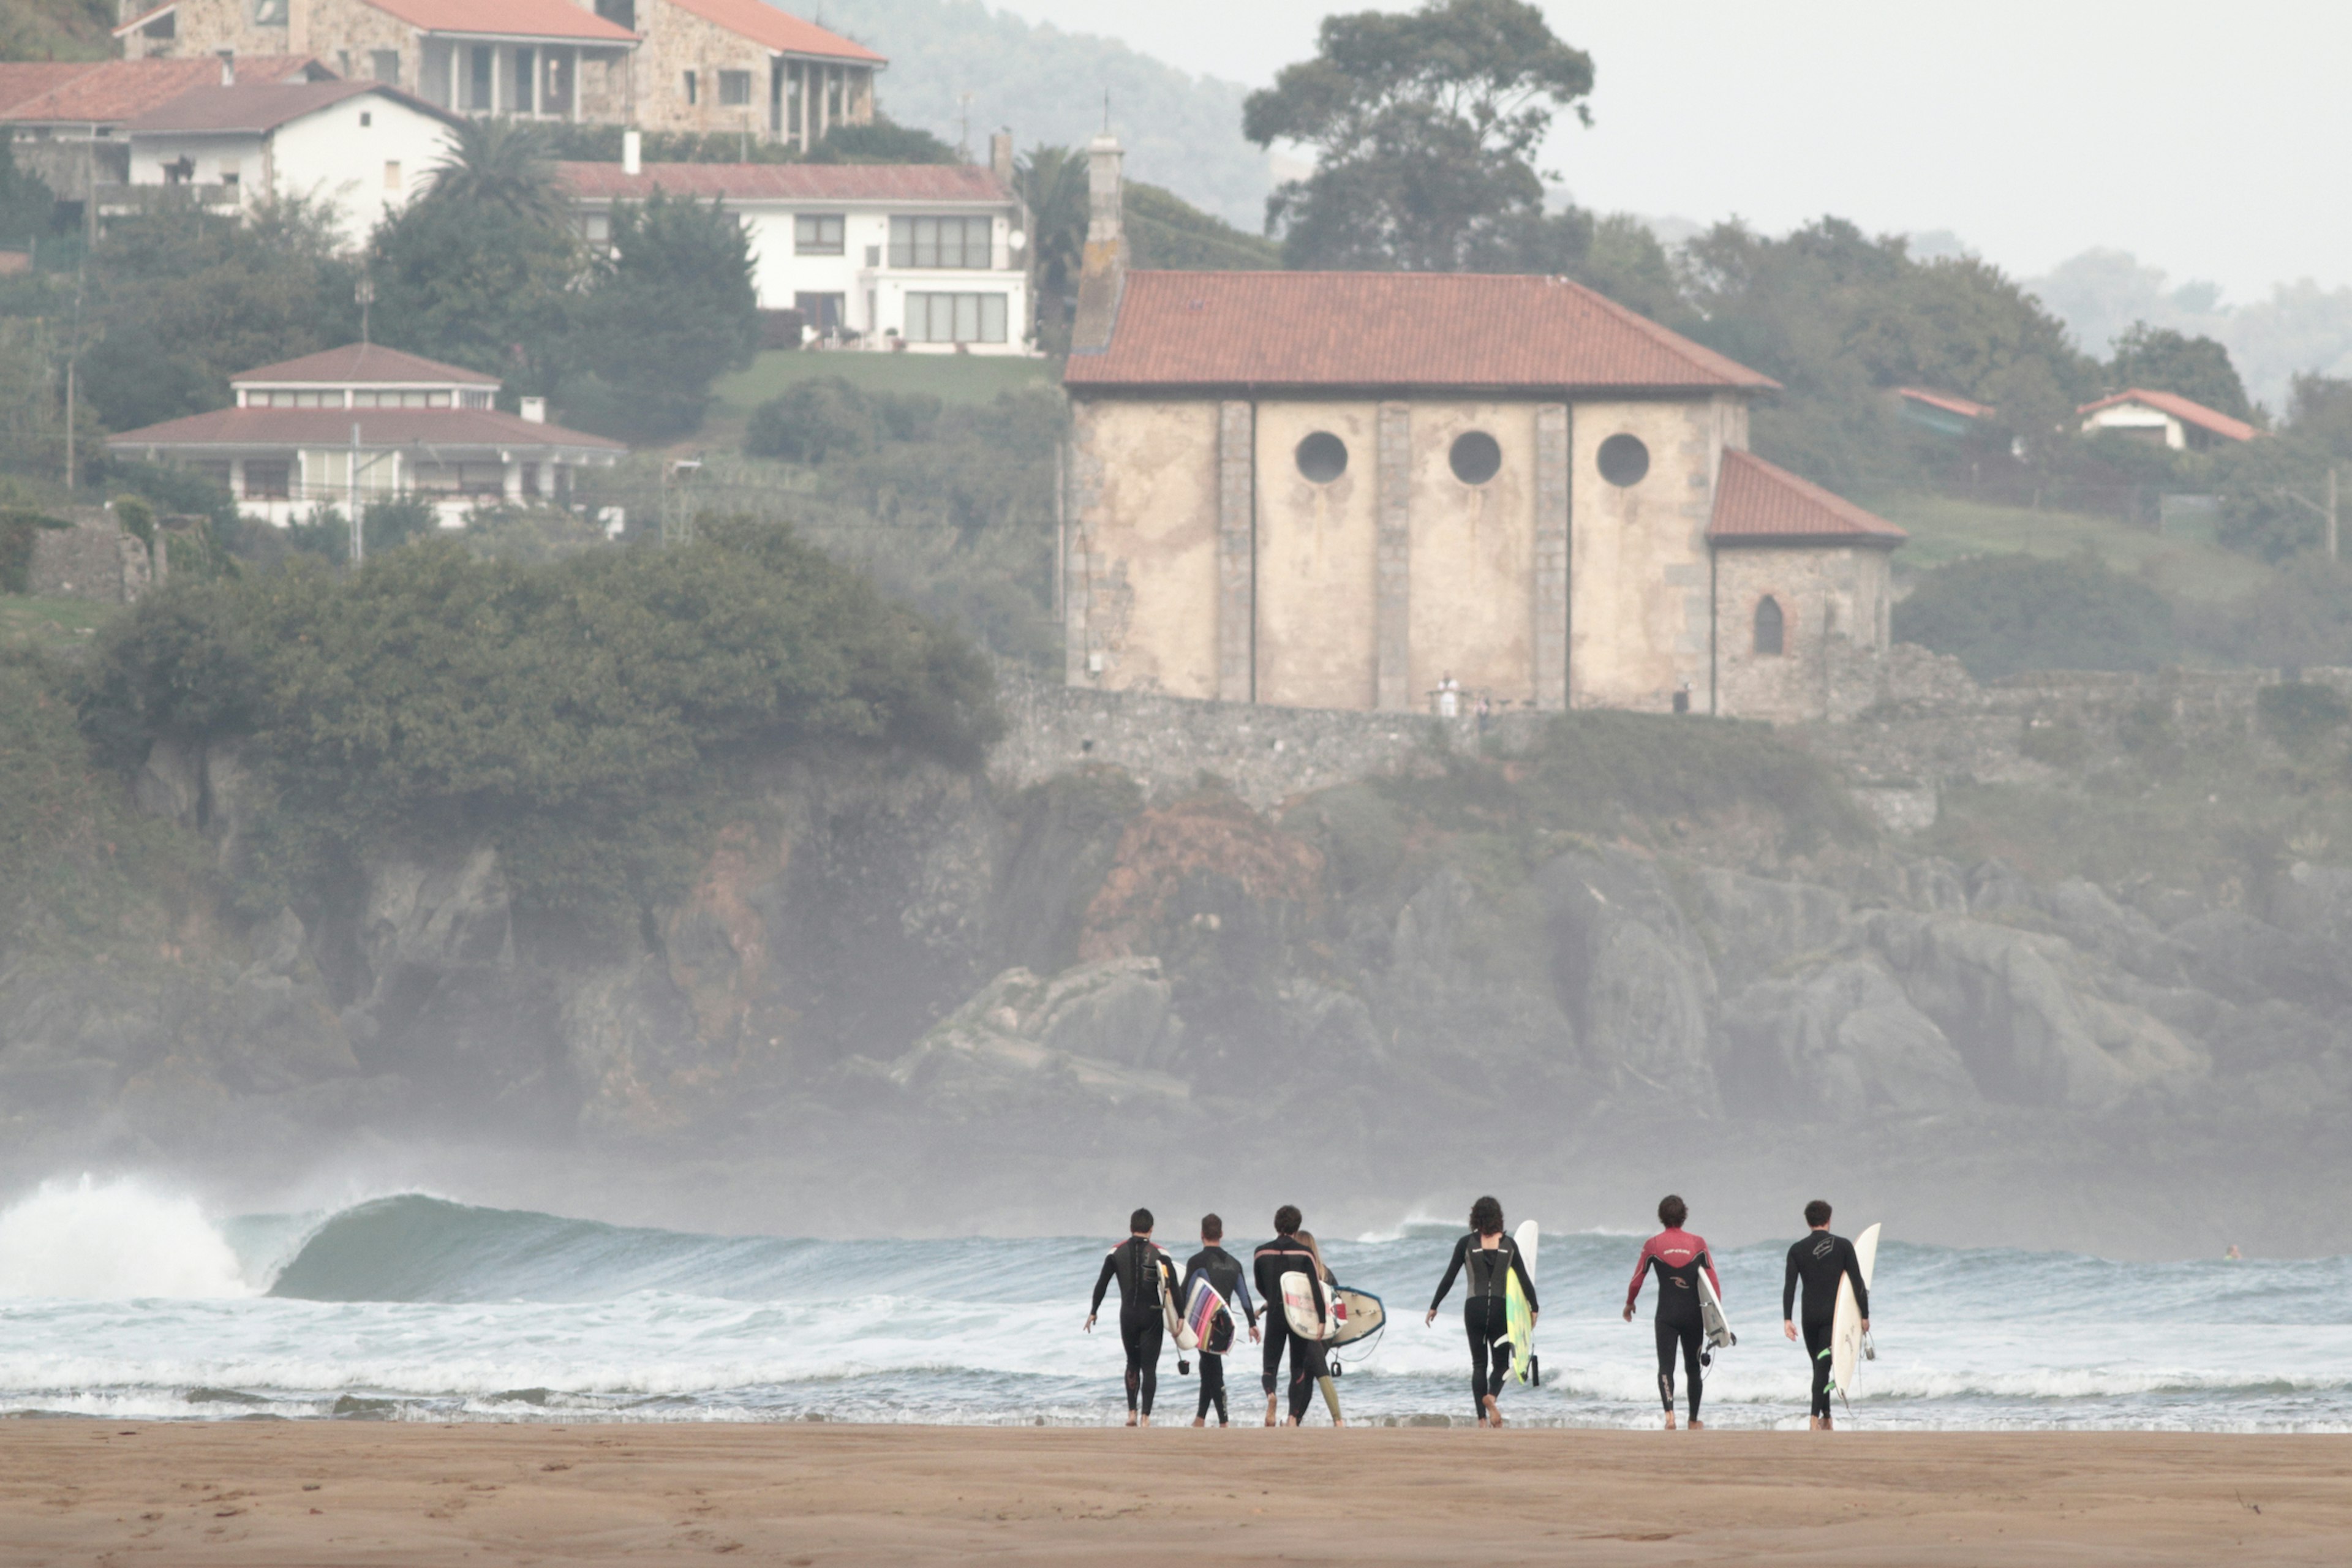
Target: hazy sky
[{"x": 2208, "y": 141}]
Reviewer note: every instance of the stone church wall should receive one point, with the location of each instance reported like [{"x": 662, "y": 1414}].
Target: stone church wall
[
  {"x": 1141, "y": 575},
  {"x": 1317, "y": 559},
  {"x": 1835, "y": 604},
  {"x": 1472, "y": 609}
]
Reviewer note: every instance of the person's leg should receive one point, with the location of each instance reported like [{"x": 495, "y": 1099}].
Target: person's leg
[
  {"x": 1474, "y": 1323},
  {"x": 1693, "y": 1335},
  {"x": 1154, "y": 1326},
  {"x": 1817, "y": 1346},
  {"x": 1277, "y": 1334},
  {"x": 1669, "y": 1341},
  {"x": 1131, "y": 1335},
  {"x": 1213, "y": 1388},
  {"x": 1306, "y": 1367}
]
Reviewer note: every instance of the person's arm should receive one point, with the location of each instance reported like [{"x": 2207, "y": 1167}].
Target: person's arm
[
  {"x": 1102, "y": 1283},
  {"x": 1461, "y": 1252},
  {"x": 1706, "y": 1261},
  {"x": 1854, "y": 1272},
  {"x": 1268, "y": 1269},
  {"x": 1241, "y": 1288},
  {"x": 1789, "y": 1287},
  {"x": 1641, "y": 1269},
  {"x": 1527, "y": 1284}
]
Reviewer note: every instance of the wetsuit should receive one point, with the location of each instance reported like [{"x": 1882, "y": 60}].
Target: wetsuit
[
  {"x": 1677, "y": 1255},
  {"x": 1820, "y": 1261},
  {"x": 1485, "y": 1316},
  {"x": 1139, "y": 1264},
  {"x": 1288, "y": 1255},
  {"x": 1224, "y": 1271}
]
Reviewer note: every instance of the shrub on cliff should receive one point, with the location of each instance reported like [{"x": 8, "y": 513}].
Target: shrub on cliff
[
  {"x": 576, "y": 713},
  {"x": 2004, "y": 614}
]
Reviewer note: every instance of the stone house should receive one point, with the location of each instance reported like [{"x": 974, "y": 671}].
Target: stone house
[
  {"x": 710, "y": 66},
  {"x": 1362, "y": 491}
]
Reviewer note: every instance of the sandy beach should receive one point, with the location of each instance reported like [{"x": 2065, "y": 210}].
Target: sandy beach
[{"x": 82, "y": 1492}]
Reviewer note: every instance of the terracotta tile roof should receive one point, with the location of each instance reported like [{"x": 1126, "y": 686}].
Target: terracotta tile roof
[
  {"x": 358, "y": 364},
  {"x": 788, "y": 182},
  {"x": 2183, "y": 408},
  {"x": 509, "y": 19},
  {"x": 1390, "y": 330},
  {"x": 265, "y": 106},
  {"x": 445, "y": 428},
  {"x": 1950, "y": 402},
  {"x": 1758, "y": 504},
  {"x": 117, "y": 91},
  {"x": 21, "y": 80},
  {"x": 786, "y": 34}
]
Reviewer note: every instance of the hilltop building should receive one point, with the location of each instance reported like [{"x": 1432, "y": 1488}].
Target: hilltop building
[
  {"x": 932, "y": 256},
  {"x": 1362, "y": 491},
  {"x": 710, "y": 66},
  {"x": 2166, "y": 419},
  {"x": 361, "y": 422}
]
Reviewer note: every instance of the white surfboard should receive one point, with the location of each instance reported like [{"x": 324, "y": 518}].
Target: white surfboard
[
  {"x": 1710, "y": 1315},
  {"x": 1845, "y": 1328},
  {"x": 1177, "y": 1329},
  {"x": 1516, "y": 1313}
]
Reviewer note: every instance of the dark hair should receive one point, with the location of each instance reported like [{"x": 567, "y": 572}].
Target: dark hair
[
  {"x": 1211, "y": 1228},
  {"x": 1672, "y": 1211},
  {"x": 1817, "y": 1213},
  {"x": 1486, "y": 1216},
  {"x": 1287, "y": 1219},
  {"x": 1140, "y": 1220}
]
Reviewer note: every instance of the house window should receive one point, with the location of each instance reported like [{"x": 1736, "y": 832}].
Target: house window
[
  {"x": 526, "y": 82},
  {"x": 693, "y": 89},
  {"x": 1321, "y": 457},
  {"x": 366, "y": 119},
  {"x": 1770, "y": 633},
  {"x": 940, "y": 242},
  {"x": 481, "y": 77},
  {"x": 391, "y": 174},
  {"x": 817, "y": 234},
  {"x": 268, "y": 478},
  {"x": 620, "y": 13},
  {"x": 1624, "y": 460},
  {"x": 436, "y": 400},
  {"x": 1476, "y": 457},
  {"x": 821, "y": 311},
  {"x": 268, "y": 12},
  {"x": 474, "y": 398},
  {"x": 384, "y": 66},
  {"x": 955, "y": 318},
  {"x": 228, "y": 173},
  {"x": 734, "y": 89}
]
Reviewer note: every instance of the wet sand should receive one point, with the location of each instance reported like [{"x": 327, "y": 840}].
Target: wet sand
[{"x": 81, "y": 1492}]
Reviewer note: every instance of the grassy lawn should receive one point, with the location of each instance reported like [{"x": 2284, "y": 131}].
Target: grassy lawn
[
  {"x": 952, "y": 378},
  {"x": 49, "y": 624},
  {"x": 1943, "y": 529}
]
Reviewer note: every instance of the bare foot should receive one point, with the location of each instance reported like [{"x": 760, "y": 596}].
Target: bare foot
[
  {"x": 1828, "y": 1425},
  {"x": 1203, "y": 1421},
  {"x": 1494, "y": 1411},
  {"x": 1269, "y": 1409},
  {"x": 1131, "y": 1417},
  {"x": 1670, "y": 1420},
  {"x": 1146, "y": 1421},
  {"x": 1696, "y": 1424},
  {"x": 1337, "y": 1423}
]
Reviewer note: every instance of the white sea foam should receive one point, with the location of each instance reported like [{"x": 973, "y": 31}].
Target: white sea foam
[{"x": 114, "y": 1241}]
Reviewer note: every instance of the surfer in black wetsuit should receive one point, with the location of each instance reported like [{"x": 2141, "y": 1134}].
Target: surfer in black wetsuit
[
  {"x": 1491, "y": 1258},
  {"x": 1142, "y": 1269},
  {"x": 1820, "y": 1260},
  {"x": 1677, "y": 1255},
  {"x": 1286, "y": 1254},
  {"x": 1223, "y": 1270}
]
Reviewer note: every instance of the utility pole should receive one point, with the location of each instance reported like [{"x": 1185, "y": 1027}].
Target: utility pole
[
  {"x": 365, "y": 294},
  {"x": 2331, "y": 513},
  {"x": 73, "y": 364},
  {"x": 352, "y": 490},
  {"x": 2326, "y": 508}
]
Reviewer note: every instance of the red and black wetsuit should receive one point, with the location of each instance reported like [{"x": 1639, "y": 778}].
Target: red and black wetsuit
[
  {"x": 1677, "y": 1255},
  {"x": 1141, "y": 1265},
  {"x": 1820, "y": 1260}
]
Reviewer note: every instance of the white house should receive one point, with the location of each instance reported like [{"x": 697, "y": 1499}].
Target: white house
[
  {"x": 363, "y": 422},
  {"x": 361, "y": 147},
  {"x": 2164, "y": 417},
  {"x": 932, "y": 257}
]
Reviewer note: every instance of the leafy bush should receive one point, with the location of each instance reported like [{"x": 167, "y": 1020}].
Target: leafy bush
[
  {"x": 18, "y": 528},
  {"x": 2003, "y": 614},
  {"x": 576, "y": 714}
]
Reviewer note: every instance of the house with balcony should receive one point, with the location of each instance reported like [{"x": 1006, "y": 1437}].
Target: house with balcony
[
  {"x": 930, "y": 258},
  {"x": 363, "y": 422}
]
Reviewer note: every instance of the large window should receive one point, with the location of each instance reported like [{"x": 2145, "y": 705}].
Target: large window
[
  {"x": 817, "y": 234},
  {"x": 821, "y": 311},
  {"x": 734, "y": 89},
  {"x": 481, "y": 67},
  {"x": 268, "y": 478},
  {"x": 384, "y": 65},
  {"x": 269, "y": 12},
  {"x": 955, "y": 318},
  {"x": 940, "y": 242}
]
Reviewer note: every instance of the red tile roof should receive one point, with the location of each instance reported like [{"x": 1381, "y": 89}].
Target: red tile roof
[
  {"x": 20, "y": 80},
  {"x": 1456, "y": 330},
  {"x": 113, "y": 91},
  {"x": 1758, "y": 504},
  {"x": 509, "y": 19},
  {"x": 445, "y": 428},
  {"x": 2181, "y": 408},
  {"x": 787, "y": 182},
  {"x": 361, "y": 364},
  {"x": 1950, "y": 402},
  {"x": 265, "y": 106},
  {"x": 763, "y": 24}
]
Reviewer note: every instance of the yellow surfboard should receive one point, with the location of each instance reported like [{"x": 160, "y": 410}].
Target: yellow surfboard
[{"x": 1518, "y": 1317}]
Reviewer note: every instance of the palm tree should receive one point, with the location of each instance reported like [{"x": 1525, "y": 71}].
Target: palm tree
[{"x": 501, "y": 163}]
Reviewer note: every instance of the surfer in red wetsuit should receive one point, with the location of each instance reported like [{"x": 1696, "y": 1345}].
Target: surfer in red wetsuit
[
  {"x": 1143, "y": 1271},
  {"x": 1677, "y": 1255}
]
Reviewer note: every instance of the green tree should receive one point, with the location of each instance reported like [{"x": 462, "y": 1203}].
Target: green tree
[
  {"x": 2162, "y": 360},
  {"x": 672, "y": 307},
  {"x": 26, "y": 205},
  {"x": 1052, "y": 183},
  {"x": 501, "y": 165},
  {"x": 2005, "y": 615},
  {"x": 883, "y": 141},
  {"x": 1424, "y": 127}
]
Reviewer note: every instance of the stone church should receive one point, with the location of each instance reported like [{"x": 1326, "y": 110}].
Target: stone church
[{"x": 1360, "y": 490}]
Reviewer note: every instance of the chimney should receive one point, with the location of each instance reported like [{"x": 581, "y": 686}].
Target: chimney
[
  {"x": 633, "y": 151},
  {"x": 1000, "y": 158},
  {"x": 534, "y": 409},
  {"x": 1103, "y": 276},
  {"x": 228, "y": 66}
]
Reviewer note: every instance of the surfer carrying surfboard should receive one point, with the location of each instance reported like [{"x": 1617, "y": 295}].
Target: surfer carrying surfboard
[
  {"x": 1289, "y": 1276},
  {"x": 1219, "y": 1272},
  {"x": 1820, "y": 1260},
  {"x": 1678, "y": 1256},
  {"x": 1141, "y": 1266},
  {"x": 1493, "y": 1260}
]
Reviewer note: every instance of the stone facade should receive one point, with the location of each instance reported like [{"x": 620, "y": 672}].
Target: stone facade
[
  {"x": 790, "y": 99},
  {"x": 1833, "y": 608},
  {"x": 96, "y": 559}
]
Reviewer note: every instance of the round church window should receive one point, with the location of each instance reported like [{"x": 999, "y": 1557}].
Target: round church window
[
  {"x": 1476, "y": 457},
  {"x": 1322, "y": 458},
  {"x": 1624, "y": 460}
]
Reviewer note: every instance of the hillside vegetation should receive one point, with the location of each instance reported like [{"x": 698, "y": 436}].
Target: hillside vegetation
[{"x": 57, "y": 30}]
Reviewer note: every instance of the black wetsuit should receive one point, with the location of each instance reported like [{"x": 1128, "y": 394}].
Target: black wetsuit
[
  {"x": 1820, "y": 1261},
  {"x": 1139, "y": 1264},
  {"x": 1677, "y": 1255},
  {"x": 1224, "y": 1272},
  {"x": 1484, "y": 1317},
  {"x": 1288, "y": 1255}
]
